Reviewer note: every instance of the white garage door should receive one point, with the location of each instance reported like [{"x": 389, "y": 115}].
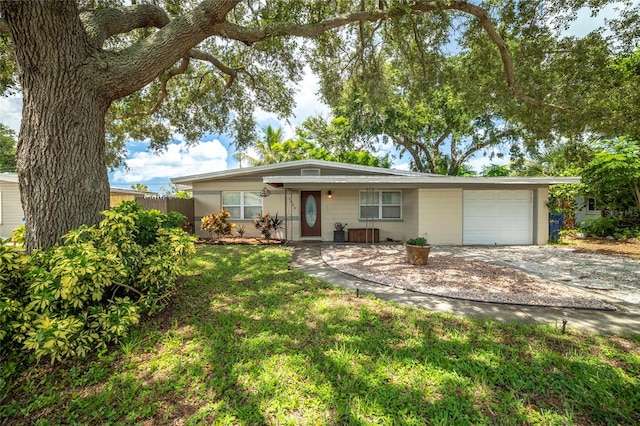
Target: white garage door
[{"x": 498, "y": 217}]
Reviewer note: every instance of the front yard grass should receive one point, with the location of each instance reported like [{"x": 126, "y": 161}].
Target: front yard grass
[{"x": 248, "y": 341}]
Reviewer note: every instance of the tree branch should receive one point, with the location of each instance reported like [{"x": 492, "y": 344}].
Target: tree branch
[
  {"x": 128, "y": 287},
  {"x": 134, "y": 67},
  {"x": 163, "y": 90},
  {"x": 507, "y": 62},
  {"x": 474, "y": 148},
  {"x": 100, "y": 24},
  {"x": 204, "y": 56},
  {"x": 250, "y": 36},
  {"x": 138, "y": 65},
  {"x": 441, "y": 139}
]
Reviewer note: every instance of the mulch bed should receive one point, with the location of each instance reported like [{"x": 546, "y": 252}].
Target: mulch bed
[{"x": 240, "y": 241}]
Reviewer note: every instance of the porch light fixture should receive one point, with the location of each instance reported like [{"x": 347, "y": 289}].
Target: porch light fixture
[
  {"x": 265, "y": 192},
  {"x": 329, "y": 194}
]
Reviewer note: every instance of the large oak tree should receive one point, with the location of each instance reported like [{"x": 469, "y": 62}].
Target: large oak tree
[{"x": 98, "y": 71}]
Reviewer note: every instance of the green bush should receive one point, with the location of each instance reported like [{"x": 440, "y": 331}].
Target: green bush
[
  {"x": 608, "y": 227},
  {"x": 19, "y": 235},
  {"x": 79, "y": 296}
]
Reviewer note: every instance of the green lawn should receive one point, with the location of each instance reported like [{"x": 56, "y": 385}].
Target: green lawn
[{"x": 247, "y": 341}]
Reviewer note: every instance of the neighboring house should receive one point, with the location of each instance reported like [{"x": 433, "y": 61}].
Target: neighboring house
[
  {"x": 12, "y": 216},
  {"x": 118, "y": 195},
  {"x": 312, "y": 195},
  {"x": 586, "y": 209}
]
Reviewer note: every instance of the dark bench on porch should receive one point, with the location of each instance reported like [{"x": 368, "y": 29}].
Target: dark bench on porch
[{"x": 364, "y": 235}]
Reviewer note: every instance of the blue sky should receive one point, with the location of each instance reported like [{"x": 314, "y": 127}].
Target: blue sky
[{"x": 215, "y": 152}]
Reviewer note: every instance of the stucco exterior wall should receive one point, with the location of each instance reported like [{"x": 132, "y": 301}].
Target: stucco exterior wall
[
  {"x": 540, "y": 216},
  {"x": 434, "y": 213},
  {"x": 11, "y": 213},
  {"x": 208, "y": 199},
  {"x": 410, "y": 213},
  {"x": 344, "y": 207},
  {"x": 440, "y": 216}
]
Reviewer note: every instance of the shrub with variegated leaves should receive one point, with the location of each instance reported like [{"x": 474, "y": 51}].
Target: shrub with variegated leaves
[
  {"x": 218, "y": 224},
  {"x": 79, "y": 296}
]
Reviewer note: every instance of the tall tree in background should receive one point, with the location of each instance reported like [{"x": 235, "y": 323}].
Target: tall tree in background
[
  {"x": 268, "y": 151},
  {"x": 107, "y": 72},
  {"x": 273, "y": 149},
  {"x": 436, "y": 117},
  {"x": 140, "y": 187},
  {"x": 613, "y": 175},
  {"x": 440, "y": 100},
  {"x": 7, "y": 149}
]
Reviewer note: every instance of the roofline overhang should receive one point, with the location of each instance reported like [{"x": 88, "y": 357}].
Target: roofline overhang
[
  {"x": 9, "y": 177},
  {"x": 223, "y": 174},
  {"x": 415, "y": 181}
]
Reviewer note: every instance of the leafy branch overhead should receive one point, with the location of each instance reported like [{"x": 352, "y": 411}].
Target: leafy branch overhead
[{"x": 139, "y": 51}]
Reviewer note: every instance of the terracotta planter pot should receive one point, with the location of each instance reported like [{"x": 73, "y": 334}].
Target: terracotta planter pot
[{"x": 417, "y": 255}]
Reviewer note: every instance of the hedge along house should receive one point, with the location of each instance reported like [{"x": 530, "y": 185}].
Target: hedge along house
[{"x": 313, "y": 195}]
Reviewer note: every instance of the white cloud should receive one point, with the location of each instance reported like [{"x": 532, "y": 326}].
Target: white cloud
[
  {"x": 402, "y": 166},
  {"x": 11, "y": 108},
  {"x": 177, "y": 160}
]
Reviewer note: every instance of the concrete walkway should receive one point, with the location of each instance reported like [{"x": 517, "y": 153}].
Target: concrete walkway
[{"x": 307, "y": 258}]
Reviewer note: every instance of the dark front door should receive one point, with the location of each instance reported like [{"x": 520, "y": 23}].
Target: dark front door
[{"x": 310, "y": 226}]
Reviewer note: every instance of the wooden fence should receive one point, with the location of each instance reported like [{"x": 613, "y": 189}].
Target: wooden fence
[{"x": 166, "y": 205}]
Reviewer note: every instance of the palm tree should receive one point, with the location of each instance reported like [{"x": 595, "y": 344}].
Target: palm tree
[
  {"x": 268, "y": 151},
  {"x": 140, "y": 187}
]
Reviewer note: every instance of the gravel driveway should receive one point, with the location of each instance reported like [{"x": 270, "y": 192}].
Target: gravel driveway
[
  {"x": 613, "y": 276},
  {"x": 526, "y": 275}
]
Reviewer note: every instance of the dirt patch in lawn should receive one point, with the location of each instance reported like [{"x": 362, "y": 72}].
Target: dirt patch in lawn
[
  {"x": 456, "y": 277},
  {"x": 625, "y": 248}
]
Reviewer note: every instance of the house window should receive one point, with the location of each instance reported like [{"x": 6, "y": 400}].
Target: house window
[
  {"x": 591, "y": 204},
  {"x": 380, "y": 205},
  {"x": 242, "y": 205}
]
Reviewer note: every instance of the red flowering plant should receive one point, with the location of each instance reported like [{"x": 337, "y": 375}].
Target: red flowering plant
[{"x": 267, "y": 224}]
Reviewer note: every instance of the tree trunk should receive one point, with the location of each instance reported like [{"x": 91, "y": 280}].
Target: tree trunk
[
  {"x": 61, "y": 160},
  {"x": 61, "y": 147}
]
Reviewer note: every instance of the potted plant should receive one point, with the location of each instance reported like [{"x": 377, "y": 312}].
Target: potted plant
[{"x": 417, "y": 251}]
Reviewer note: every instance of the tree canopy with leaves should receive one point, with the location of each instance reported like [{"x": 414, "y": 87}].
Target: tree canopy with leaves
[
  {"x": 7, "y": 149},
  {"x": 95, "y": 71},
  {"x": 440, "y": 99},
  {"x": 613, "y": 175}
]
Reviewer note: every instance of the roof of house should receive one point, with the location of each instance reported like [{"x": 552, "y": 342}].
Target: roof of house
[
  {"x": 13, "y": 178},
  {"x": 363, "y": 176},
  {"x": 128, "y": 191},
  {"x": 270, "y": 169},
  {"x": 416, "y": 180},
  {"x": 9, "y": 177}
]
